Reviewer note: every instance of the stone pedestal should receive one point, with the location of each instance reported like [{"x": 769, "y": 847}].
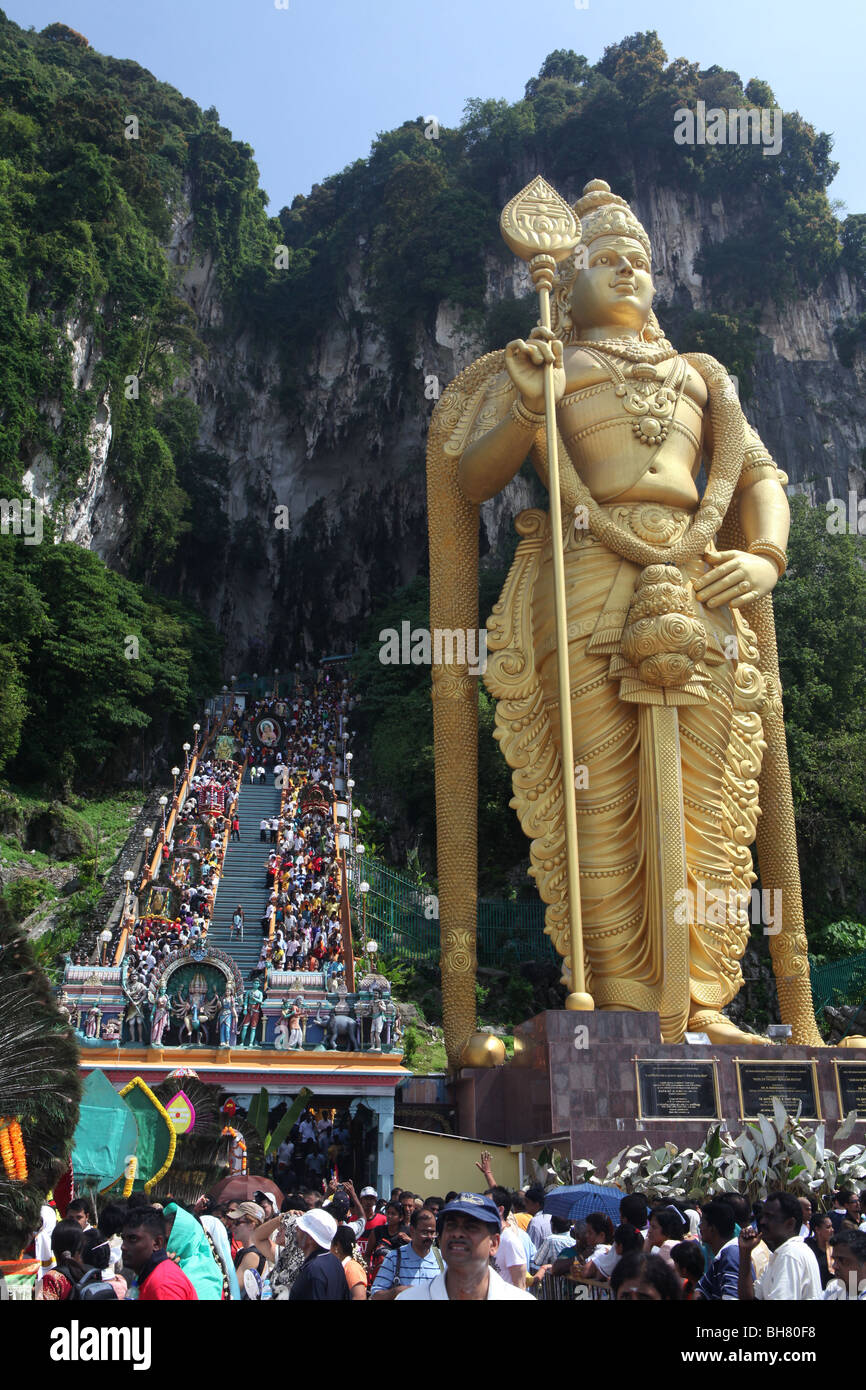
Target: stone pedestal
[{"x": 574, "y": 1075}]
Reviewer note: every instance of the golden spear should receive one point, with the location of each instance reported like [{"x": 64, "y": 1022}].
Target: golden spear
[{"x": 540, "y": 227}]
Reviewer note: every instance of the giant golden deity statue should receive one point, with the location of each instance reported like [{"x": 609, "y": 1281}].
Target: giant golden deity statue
[{"x": 632, "y": 653}]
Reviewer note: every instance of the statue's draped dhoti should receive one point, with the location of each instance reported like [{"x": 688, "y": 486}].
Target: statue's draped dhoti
[{"x": 667, "y": 791}]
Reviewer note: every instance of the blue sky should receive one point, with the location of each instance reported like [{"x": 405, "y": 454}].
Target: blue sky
[{"x": 310, "y": 86}]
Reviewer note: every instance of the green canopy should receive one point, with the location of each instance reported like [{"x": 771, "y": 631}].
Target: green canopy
[
  {"x": 156, "y": 1135},
  {"x": 106, "y": 1134}
]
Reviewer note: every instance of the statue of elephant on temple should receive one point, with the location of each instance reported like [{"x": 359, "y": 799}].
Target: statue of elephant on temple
[{"x": 342, "y": 1026}]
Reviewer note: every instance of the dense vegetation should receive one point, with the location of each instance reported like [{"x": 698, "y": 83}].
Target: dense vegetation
[
  {"x": 90, "y": 656},
  {"x": 421, "y": 214},
  {"x": 85, "y": 214}
]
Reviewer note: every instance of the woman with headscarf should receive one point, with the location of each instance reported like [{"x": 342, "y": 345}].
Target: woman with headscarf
[
  {"x": 218, "y": 1234},
  {"x": 188, "y": 1243}
]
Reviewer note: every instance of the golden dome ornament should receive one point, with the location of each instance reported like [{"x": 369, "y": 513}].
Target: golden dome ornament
[{"x": 484, "y": 1050}]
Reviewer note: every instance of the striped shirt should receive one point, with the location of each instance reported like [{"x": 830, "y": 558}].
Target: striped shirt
[{"x": 411, "y": 1269}]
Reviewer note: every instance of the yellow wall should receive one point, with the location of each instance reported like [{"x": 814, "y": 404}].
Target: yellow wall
[{"x": 433, "y": 1164}]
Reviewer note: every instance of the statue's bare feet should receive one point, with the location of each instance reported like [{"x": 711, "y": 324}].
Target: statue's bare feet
[{"x": 721, "y": 1030}]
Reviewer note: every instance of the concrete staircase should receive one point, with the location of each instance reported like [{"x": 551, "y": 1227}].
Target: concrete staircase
[{"x": 243, "y": 879}]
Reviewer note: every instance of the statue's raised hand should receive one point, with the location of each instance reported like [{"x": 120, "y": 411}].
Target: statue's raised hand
[{"x": 525, "y": 360}]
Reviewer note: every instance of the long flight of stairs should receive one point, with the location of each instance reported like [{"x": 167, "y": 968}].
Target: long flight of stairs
[{"x": 243, "y": 879}]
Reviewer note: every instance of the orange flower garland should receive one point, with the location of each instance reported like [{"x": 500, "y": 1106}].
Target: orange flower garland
[
  {"x": 241, "y": 1143},
  {"x": 12, "y": 1150}
]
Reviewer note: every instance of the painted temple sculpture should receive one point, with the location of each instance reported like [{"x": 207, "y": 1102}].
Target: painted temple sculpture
[
  {"x": 198, "y": 998},
  {"x": 633, "y": 643}
]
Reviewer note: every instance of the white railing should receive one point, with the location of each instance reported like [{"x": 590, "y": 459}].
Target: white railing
[
  {"x": 296, "y": 979},
  {"x": 108, "y": 974}
]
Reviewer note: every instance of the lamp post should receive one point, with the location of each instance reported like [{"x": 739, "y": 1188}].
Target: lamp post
[
  {"x": 127, "y": 878},
  {"x": 175, "y": 773},
  {"x": 196, "y": 729},
  {"x": 148, "y": 836},
  {"x": 163, "y": 801},
  {"x": 186, "y": 748},
  {"x": 364, "y": 888},
  {"x": 276, "y": 682},
  {"x": 105, "y": 938},
  {"x": 359, "y": 851},
  {"x": 347, "y": 757}
]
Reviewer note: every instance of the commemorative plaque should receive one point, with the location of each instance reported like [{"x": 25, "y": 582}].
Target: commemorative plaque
[
  {"x": 794, "y": 1083},
  {"x": 851, "y": 1088},
  {"x": 677, "y": 1090}
]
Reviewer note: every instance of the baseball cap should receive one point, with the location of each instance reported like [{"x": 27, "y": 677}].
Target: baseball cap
[
  {"x": 472, "y": 1204},
  {"x": 251, "y": 1209},
  {"x": 340, "y": 1206},
  {"x": 368, "y": 1192},
  {"x": 318, "y": 1224}
]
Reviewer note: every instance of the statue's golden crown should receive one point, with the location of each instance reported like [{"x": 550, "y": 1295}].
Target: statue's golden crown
[{"x": 603, "y": 213}]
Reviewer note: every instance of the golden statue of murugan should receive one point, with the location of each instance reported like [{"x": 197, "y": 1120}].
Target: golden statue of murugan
[{"x": 672, "y": 671}]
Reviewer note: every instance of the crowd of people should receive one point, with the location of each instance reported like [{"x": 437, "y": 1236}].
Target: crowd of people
[
  {"x": 300, "y": 871},
  {"x": 316, "y": 1146},
  {"x": 192, "y": 858},
  {"x": 341, "y": 1245}
]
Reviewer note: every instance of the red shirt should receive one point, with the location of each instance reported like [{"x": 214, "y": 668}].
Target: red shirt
[
  {"x": 372, "y": 1224},
  {"x": 167, "y": 1281}
]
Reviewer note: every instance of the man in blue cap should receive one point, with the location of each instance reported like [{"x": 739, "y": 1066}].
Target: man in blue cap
[{"x": 469, "y": 1228}]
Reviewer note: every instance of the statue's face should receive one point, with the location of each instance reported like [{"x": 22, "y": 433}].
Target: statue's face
[{"x": 615, "y": 288}]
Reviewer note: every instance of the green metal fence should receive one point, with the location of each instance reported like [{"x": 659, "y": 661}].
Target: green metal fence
[
  {"x": 403, "y": 919},
  {"x": 840, "y": 982}
]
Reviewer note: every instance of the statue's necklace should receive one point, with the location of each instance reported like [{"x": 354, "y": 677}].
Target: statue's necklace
[
  {"x": 641, "y": 395},
  {"x": 632, "y": 349}
]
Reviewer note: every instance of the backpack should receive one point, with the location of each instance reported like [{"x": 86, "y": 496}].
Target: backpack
[{"x": 91, "y": 1288}]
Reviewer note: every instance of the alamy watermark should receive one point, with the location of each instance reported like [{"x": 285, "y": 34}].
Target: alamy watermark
[
  {"x": 444, "y": 646},
  {"x": 731, "y": 126},
  {"x": 846, "y": 518},
  {"x": 77, "y": 1343},
  {"x": 717, "y": 907},
  {"x": 22, "y": 517}
]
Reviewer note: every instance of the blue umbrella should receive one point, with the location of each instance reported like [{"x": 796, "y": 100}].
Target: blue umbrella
[{"x": 575, "y": 1203}]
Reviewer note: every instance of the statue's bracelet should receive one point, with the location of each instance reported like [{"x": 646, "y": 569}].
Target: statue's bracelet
[
  {"x": 771, "y": 551},
  {"x": 522, "y": 415}
]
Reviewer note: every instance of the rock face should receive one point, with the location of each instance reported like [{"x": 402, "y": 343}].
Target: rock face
[{"x": 349, "y": 467}]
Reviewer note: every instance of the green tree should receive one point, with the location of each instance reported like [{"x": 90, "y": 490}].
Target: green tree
[{"x": 820, "y": 609}]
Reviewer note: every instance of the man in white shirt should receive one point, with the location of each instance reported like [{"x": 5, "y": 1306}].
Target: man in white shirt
[
  {"x": 791, "y": 1273},
  {"x": 469, "y": 1232}
]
